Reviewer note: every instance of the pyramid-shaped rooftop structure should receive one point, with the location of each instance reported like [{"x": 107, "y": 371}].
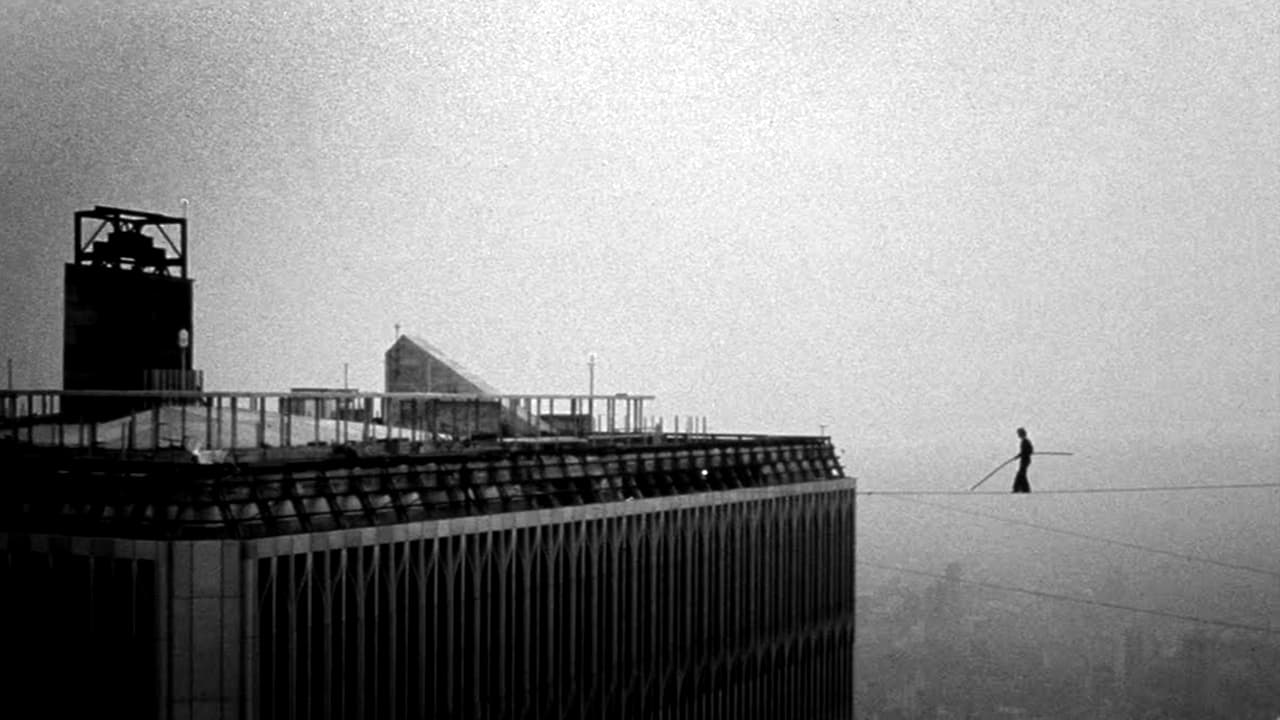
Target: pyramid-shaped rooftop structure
[{"x": 415, "y": 365}]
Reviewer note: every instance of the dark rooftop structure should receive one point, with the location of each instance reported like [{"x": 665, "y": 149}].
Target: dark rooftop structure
[{"x": 128, "y": 308}]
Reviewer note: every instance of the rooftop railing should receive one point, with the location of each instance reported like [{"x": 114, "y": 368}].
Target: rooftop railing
[{"x": 211, "y": 426}]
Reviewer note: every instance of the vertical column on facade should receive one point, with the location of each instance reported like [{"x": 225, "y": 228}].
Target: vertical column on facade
[
  {"x": 731, "y": 646},
  {"x": 476, "y": 557},
  {"x": 206, "y": 629},
  {"x": 654, "y": 572},
  {"x": 826, "y": 536},
  {"x": 532, "y": 627},
  {"x": 416, "y": 631},
  {"x": 573, "y": 687},
  {"x": 637, "y": 599},
  {"x": 162, "y": 599},
  {"x": 721, "y": 561},
  {"x": 676, "y": 608},
  {"x": 616, "y": 640},
  {"x": 589, "y": 644},
  {"x": 850, "y": 585},
  {"x": 551, "y": 698},
  {"x": 454, "y": 547},
  {"x": 296, "y": 661},
  {"x": 491, "y": 660},
  {"x": 746, "y": 606},
  {"x": 551, "y": 621},
  {"x": 398, "y": 629},
  {"x": 773, "y": 553},
  {"x": 427, "y": 573},
  {"x": 525, "y": 553},
  {"x": 704, "y": 587}
]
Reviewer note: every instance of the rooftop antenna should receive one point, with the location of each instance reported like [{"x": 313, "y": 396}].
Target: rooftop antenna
[
  {"x": 591, "y": 389},
  {"x": 185, "y": 234},
  {"x": 184, "y": 335}
]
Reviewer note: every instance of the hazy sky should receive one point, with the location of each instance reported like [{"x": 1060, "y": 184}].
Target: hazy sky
[{"x": 921, "y": 224}]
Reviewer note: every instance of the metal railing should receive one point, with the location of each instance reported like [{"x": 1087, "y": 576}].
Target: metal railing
[{"x": 219, "y": 422}]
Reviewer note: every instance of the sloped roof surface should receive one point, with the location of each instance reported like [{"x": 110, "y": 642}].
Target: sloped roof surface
[{"x": 454, "y": 365}]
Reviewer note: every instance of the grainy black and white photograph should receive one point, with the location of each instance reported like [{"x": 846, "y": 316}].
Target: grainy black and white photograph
[{"x": 671, "y": 359}]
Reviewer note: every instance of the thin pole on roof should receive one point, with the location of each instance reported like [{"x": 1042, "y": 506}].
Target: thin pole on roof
[{"x": 591, "y": 387}]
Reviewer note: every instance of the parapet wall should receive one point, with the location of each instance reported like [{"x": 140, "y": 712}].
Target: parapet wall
[{"x": 112, "y": 498}]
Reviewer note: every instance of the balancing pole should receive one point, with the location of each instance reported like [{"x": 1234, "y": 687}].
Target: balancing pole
[
  {"x": 1006, "y": 462},
  {"x": 993, "y": 472}
]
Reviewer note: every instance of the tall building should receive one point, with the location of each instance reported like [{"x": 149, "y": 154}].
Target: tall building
[{"x": 330, "y": 565}]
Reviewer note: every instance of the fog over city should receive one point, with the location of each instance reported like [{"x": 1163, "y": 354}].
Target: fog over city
[{"x": 913, "y": 226}]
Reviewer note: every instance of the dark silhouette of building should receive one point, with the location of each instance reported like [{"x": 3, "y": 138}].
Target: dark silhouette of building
[{"x": 128, "y": 309}]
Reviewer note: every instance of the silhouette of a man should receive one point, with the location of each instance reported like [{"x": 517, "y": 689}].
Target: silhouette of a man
[{"x": 1020, "y": 484}]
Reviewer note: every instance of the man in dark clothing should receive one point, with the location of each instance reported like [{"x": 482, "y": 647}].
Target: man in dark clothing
[{"x": 1020, "y": 484}]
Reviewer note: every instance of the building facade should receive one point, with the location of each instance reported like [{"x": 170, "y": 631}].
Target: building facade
[{"x": 706, "y": 580}]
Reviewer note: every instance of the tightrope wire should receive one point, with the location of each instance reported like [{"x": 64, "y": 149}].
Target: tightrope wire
[
  {"x": 1085, "y": 536},
  {"x": 1078, "y": 491},
  {"x": 1069, "y": 598}
]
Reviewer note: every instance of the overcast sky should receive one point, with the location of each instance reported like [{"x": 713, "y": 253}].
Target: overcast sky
[{"x": 920, "y": 224}]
